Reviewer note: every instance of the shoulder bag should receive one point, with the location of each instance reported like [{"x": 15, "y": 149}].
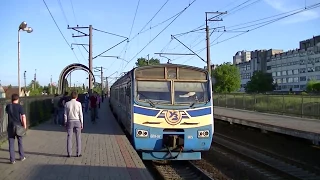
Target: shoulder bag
[{"x": 17, "y": 128}]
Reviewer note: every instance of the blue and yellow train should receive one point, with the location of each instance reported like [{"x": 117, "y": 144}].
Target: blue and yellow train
[{"x": 167, "y": 109}]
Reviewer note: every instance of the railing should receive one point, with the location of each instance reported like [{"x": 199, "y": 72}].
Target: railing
[
  {"x": 37, "y": 110},
  {"x": 292, "y": 105}
]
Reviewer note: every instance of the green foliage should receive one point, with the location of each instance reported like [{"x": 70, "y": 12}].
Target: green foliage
[
  {"x": 144, "y": 62},
  {"x": 313, "y": 86},
  {"x": 227, "y": 78},
  {"x": 260, "y": 82}
]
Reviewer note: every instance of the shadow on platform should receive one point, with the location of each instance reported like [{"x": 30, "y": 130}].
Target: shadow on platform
[{"x": 84, "y": 172}]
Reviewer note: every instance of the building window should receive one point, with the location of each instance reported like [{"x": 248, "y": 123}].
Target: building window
[
  {"x": 289, "y": 72},
  {"x": 302, "y": 70},
  {"x": 268, "y": 67},
  {"x": 295, "y": 79},
  {"x": 284, "y": 73},
  {"x": 296, "y": 86},
  {"x": 284, "y": 80},
  {"x": 290, "y": 80},
  {"x": 278, "y": 73},
  {"x": 279, "y": 81},
  {"x": 274, "y": 74},
  {"x": 303, "y": 78},
  {"x": 296, "y": 71}
]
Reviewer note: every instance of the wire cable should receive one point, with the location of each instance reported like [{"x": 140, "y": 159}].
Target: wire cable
[
  {"x": 60, "y": 30},
  {"x": 181, "y": 12}
]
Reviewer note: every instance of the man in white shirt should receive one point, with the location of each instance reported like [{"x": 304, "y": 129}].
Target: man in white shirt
[{"x": 73, "y": 120}]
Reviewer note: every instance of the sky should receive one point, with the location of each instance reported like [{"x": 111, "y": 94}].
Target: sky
[{"x": 46, "y": 52}]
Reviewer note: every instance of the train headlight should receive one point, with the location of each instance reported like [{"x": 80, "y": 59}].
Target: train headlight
[
  {"x": 203, "y": 134},
  {"x": 142, "y": 133}
]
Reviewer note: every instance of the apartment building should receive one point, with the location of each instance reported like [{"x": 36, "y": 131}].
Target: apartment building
[
  {"x": 257, "y": 62},
  {"x": 294, "y": 68},
  {"x": 241, "y": 56}
]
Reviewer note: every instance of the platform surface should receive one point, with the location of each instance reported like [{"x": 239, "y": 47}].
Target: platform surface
[
  {"x": 294, "y": 126},
  {"x": 107, "y": 153}
]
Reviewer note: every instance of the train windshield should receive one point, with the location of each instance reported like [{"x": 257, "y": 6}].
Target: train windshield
[
  {"x": 154, "y": 92},
  {"x": 190, "y": 92}
]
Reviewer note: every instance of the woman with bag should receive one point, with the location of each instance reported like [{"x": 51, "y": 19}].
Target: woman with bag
[{"x": 17, "y": 125}]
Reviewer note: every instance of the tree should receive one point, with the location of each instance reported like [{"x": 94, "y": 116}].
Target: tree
[
  {"x": 313, "y": 86},
  {"x": 227, "y": 78},
  {"x": 260, "y": 83},
  {"x": 144, "y": 62}
]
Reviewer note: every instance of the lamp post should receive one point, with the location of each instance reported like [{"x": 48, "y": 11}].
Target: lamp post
[{"x": 23, "y": 27}]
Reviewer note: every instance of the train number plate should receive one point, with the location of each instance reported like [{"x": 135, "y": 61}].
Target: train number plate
[{"x": 156, "y": 136}]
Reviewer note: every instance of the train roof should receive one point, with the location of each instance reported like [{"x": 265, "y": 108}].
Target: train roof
[
  {"x": 170, "y": 65},
  {"x": 160, "y": 65}
]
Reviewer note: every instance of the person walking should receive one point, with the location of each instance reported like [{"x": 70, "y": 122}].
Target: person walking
[
  {"x": 16, "y": 117},
  {"x": 73, "y": 119}
]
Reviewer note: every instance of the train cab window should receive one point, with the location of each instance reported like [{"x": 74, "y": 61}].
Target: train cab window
[
  {"x": 172, "y": 73},
  {"x": 158, "y": 92},
  {"x": 185, "y": 73},
  {"x": 190, "y": 92}
]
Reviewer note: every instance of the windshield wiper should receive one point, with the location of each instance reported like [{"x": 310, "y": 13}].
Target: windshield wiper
[{"x": 149, "y": 101}]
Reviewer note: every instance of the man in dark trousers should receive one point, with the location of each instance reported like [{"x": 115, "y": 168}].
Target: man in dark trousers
[
  {"x": 93, "y": 107},
  {"x": 16, "y": 116},
  {"x": 73, "y": 120}
]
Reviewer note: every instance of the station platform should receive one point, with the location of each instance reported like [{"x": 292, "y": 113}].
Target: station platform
[
  {"x": 106, "y": 153},
  {"x": 294, "y": 126}
]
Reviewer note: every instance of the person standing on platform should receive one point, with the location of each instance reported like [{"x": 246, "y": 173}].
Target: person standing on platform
[
  {"x": 73, "y": 120},
  {"x": 93, "y": 107},
  {"x": 62, "y": 103},
  {"x": 87, "y": 99},
  {"x": 16, "y": 116}
]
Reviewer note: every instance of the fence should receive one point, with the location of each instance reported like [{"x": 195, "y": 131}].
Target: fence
[
  {"x": 37, "y": 110},
  {"x": 293, "y": 105}
]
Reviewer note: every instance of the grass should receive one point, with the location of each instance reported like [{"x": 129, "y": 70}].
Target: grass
[{"x": 294, "y": 105}]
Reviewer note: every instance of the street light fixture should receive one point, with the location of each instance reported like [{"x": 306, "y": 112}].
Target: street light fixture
[{"x": 23, "y": 27}]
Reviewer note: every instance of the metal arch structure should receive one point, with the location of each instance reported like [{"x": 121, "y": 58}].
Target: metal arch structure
[{"x": 67, "y": 70}]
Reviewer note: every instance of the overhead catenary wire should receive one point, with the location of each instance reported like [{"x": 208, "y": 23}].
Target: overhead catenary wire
[
  {"x": 181, "y": 12},
  {"x": 269, "y": 22},
  {"x": 60, "y": 29},
  {"x": 66, "y": 19},
  {"x": 163, "y": 5}
]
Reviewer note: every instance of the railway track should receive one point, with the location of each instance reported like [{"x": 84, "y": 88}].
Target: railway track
[
  {"x": 274, "y": 166},
  {"x": 178, "y": 170}
]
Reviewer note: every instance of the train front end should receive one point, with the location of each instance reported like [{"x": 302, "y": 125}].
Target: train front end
[{"x": 172, "y": 112}]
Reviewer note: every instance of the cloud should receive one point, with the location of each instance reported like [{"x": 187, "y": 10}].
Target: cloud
[{"x": 289, "y": 5}]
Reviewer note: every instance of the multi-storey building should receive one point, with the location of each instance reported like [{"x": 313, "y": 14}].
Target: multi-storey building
[
  {"x": 257, "y": 62},
  {"x": 241, "y": 56},
  {"x": 294, "y": 68}
]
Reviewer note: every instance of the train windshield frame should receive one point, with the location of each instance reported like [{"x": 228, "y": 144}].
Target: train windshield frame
[{"x": 186, "y": 88}]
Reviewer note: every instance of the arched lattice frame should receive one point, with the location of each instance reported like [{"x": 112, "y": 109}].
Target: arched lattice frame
[{"x": 67, "y": 70}]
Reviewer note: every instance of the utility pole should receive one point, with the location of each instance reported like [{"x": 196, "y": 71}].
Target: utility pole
[
  {"x": 91, "y": 45},
  {"x": 51, "y": 85},
  {"x": 107, "y": 86},
  {"x": 148, "y": 60},
  {"x": 34, "y": 79},
  {"x": 90, "y": 57},
  {"x": 215, "y": 18},
  {"x": 25, "y": 81}
]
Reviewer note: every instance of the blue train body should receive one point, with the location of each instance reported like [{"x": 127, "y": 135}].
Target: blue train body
[{"x": 169, "y": 116}]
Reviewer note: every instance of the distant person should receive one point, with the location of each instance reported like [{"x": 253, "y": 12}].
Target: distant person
[
  {"x": 56, "y": 109},
  {"x": 93, "y": 107},
  {"x": 16, "y": 117},
  {"x": 63, "y": 100},
  {"x": 73, "y": 120},
  {"x": 86, "y": 102}
]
